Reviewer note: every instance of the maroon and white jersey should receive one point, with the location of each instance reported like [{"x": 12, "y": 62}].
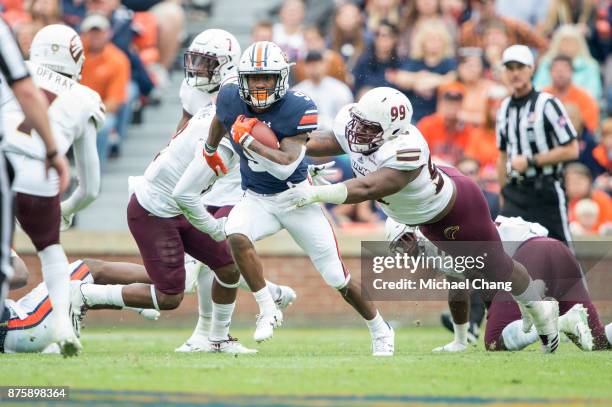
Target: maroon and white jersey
[{"x": 423, "y": 198}]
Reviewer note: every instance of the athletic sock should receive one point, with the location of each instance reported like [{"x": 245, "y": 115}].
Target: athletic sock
[
  {"x": 205, "y": 304},
  {"x": 461, "y": 332},
  {"x": 221, "y": 321},
  {"x": 531, "y": 293},
  {"x": 515, "y": 338},
  {"x": 57, "y": 279},
  {"x": 95, "y": 294},
  {"x": 265, "y": 301},
  {"x": 377, "y": 326},
  {"x": 274, "y": 289}
]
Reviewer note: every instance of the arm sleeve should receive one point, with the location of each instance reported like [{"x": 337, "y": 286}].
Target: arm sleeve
[
  {"x": 12, "y": 65},
  {"x": 187, "y": 193},
  {"x": 556, "y": 116},
  {"x": 88, "y": 169}
]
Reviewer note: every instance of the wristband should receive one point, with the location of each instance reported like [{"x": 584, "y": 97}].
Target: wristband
[
  {"x": 51, "y": 154},
  {"x": 210, "y": 150}
]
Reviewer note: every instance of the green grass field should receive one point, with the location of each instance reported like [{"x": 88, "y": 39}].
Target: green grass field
[{"x": 317, "y": 362}]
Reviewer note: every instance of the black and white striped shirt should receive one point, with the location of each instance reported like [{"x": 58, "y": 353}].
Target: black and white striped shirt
[
  {"x": 12, "y": 66},
  {"x": 533, "y": 124}
]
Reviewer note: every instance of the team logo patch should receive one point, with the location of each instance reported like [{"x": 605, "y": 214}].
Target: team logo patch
[
  {"x": 408, "y": 154},
  {"x": 451, "y": 231},
  {"x": 76, "y": 48}
]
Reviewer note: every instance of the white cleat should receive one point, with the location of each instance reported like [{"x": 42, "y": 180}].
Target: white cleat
[
  {"x": 384, "y": 345},
  {"x": 451, "y": 347},
  {"x": 196, "y": 343},
  {"x": 266, "y": 323},
  {"x": 68, "y": 343},
  {"x": 575, "y": 324},
  {"x": 78, "y": 307},
  {"x": 545, "y": 315},
  {"x": 286, "y": 298},
  {"x": 231, "y": 346}
]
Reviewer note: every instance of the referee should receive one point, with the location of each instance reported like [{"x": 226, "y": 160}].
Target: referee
[
  {"x": 535, "y": 137},
  {"x": 14, "y": 73}
]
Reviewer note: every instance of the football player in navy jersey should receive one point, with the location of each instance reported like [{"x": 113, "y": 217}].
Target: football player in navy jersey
[{"x": 262, "y": 95}]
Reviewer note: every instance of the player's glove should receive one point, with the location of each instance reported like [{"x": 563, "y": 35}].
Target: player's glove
[
  {"x": 218, "y": 234},
  {"x": 66, "y": 222},
  {"x": 298, "y": 196},
  {"x": 214, "y": 161},
  {"x": 318, "y": 173},
  {"x": 242, "y": 128}
]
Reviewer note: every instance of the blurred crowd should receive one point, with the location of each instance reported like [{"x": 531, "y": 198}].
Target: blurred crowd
[{"x": 444, "y": 54}]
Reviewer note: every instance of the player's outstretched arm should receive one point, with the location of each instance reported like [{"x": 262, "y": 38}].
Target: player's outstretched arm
[
  {"x": 380, "y": 183},
  {"x": 323, "y": 143}
]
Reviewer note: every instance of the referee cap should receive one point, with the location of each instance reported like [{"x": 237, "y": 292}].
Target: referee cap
[{"x": 518, "y": 53}]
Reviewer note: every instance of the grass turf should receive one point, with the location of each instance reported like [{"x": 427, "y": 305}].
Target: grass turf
[{"x": 304, "y": 362}]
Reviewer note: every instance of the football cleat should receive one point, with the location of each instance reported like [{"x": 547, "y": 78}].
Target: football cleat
[
  {"x": 266, "y": 323},
  {"x": 77, "y": 302},
  {"x": 384, "y": 345},
  {"x": 196, "y": 343},
  {"x": 230, "y": 345},
  {"x": 451, "y": 347},
  {"x": 286, "y": 298},
  {"x": 544, "y": 316},
  {"x": 575, "y": 324}
]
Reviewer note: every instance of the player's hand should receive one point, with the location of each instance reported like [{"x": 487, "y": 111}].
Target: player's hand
[
  {"x": 215, "y": 162},
  {"x": 66, "y": 222},
  {"x": 242, "y": 128},
  {"x": 319, "y": 172},
  {"x": 297, "y": 196},
  {"x": 218, "y": 234},
  {"x": 59, "y": 162},
  {"x": 519, "y": 163}
]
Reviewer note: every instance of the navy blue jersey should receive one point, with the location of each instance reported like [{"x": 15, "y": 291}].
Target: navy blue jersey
[{"x": 294, "y": 114}]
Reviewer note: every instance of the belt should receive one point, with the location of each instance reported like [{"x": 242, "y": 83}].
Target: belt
[{"x": 532, "y": 181}]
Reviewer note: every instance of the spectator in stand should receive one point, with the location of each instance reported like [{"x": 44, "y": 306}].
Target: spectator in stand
[
  {"x": 262, "y": 31},
  {"x": 45, "y": 12},
  {"x": 470, "y": 70},
  {"x": 471, "y": 168},
  {"x": 561, "y": 71},
  {"x": 334, "y": 64},
  {"x": 482, "y": 144},
  {"x": 382, "y": 10},
  {"x": 586, "y": 141},
  {"x": 483, "y": 14},
  {"x": 431, "y": 65},
  {"x": 568, "y": 40},
  {"x": 579, "y": 185},
  {"x": 603, "y": 152},
  {"x": 446, "y": 134},
  {"x": 532, "y": 12},
  {"x": 170, "y": 22},
  {"x": 417, "y": 13},
  {"x": 24, "y": 34},
  {"x": 495, "y": 41},
  {"x": 587, "y": 214},
  {"x": 289, "y": 32},
  {"x": 329, "y": 94},
  {"x": 347, "y": 35},
  {"x": 107, "y": 71},
  {"x": 369, "y": 72}
]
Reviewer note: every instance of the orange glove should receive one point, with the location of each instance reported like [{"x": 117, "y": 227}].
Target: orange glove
[
  {"x": 215, "y": 162},
  {"x": 242, "y": 128}
]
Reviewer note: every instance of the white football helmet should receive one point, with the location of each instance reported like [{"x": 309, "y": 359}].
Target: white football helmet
[
  {"x": 59, "y": 48},
  {"x": 381, "y": 114},
  {"x": 263, "y": 57},
  {"x": 211, "y": 59}
]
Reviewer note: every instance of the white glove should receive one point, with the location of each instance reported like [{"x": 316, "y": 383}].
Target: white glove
[
  {"x": 297, "y": 196},
  {"x": 319, "y": 172},
  {"x": 218, "y": 234},
  {"x": 451, "y": 347},
  {"x": 66, "y": 222},
  {"x": 150, "y": 314}
]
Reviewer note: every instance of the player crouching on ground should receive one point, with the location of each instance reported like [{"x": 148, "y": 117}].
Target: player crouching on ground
[
  {"x": 392, "y": 163},
  {"x": 551, "y": 264},
  {"x": 262, "y": 96}
]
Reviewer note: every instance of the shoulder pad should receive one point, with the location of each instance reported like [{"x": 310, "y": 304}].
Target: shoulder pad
[
  {"x": 406, "y": 152},
  {"x": 91, "y": 103},
  {"x": 339, "y": 127}
]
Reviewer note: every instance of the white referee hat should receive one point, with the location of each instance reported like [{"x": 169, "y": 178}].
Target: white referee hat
[{"x": 518, "y": 53}]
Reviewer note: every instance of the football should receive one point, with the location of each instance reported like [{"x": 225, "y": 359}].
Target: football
[{"x": 262, "y": 133}]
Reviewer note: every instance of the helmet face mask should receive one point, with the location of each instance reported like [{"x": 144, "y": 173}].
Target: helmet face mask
[
  {"x": 363, "y": 136},
  {"x": 263, "y": 58},
  {"x": 202, "y": 70}
]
